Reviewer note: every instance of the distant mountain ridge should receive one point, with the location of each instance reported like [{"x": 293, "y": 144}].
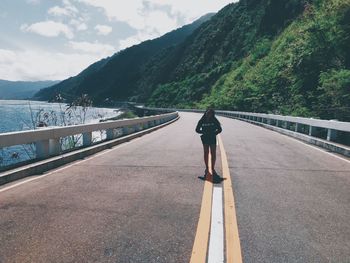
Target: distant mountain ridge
[
  {"x": 22, "y": 89},
  {"x": 117, "y": 77}
]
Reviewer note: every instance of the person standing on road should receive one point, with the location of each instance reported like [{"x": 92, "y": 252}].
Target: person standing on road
[{"x": 209, "y": 127}]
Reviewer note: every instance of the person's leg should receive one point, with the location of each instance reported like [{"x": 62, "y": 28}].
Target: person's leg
[
  {"x": 213, "y": 156},
  {"x": 206, "y": 156}
]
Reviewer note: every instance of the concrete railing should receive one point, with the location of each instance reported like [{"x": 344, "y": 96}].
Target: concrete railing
[
  {"x": 332, "y": 127},
  {"x": 307, "y": 126},
  {"x": 47, "y": 140}
]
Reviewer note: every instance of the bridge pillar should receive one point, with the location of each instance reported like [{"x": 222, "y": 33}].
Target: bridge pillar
[
  {"x": 87, "y": 138},
  {"x": 54, "y": 147},
  {"x": 42, "y": 149},
  {"x": 331, "y": 135}
]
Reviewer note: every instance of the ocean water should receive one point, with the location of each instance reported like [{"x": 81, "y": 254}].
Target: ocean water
[{"x": 20, "y": 115}]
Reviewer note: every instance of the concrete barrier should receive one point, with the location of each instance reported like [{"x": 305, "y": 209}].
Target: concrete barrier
[
  {"x": 47, "y": 140},
  {"x": 283, "y": 124},
  {"x": 42, "y": 166}
]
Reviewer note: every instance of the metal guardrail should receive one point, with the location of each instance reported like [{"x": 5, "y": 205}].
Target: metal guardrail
[{"x": 47, "y": 140}]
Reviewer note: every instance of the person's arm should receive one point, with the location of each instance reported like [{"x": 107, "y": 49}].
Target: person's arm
[
  {"x": 218, "y": 127},
  {"x": 199, "y": 127}
]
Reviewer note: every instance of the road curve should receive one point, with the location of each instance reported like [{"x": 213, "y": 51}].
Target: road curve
[{"x": 140, "y": 201}]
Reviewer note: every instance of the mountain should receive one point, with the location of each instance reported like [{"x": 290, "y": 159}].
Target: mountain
[
  {"x": 117, "y": 77},
  {"x": 304, "y": 70},
  {"x": 286, "y": 57},
  {"x": 274, "y": 56},
  {"x": 22, "y": 89}
]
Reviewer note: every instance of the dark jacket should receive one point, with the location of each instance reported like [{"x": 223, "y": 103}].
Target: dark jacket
[{"x": 209, "y": 128}]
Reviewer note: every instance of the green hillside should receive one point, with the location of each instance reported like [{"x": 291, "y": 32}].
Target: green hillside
[
  {"x": 302, "y": 70},
  {"x": 276, "y": 56}
]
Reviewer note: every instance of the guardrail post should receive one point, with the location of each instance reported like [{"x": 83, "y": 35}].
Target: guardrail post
[
  {"x": 110, "y": 134},
  {"x": 331, "y": 135},
  {"x": 87, "y": 138},
  {"x": 42, "y": 149},
  {"x": 136, "y": 128},
  {"x": 54, "y": 147},
  {"x": 286, "y": 125},
  {"x": 126, "y": 130},
  {"x": 297, "y": 127},
  {"x": 312, "y": 131}
]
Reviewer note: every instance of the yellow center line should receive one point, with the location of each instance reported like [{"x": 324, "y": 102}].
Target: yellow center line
[
  {"x": 201, "y": 241},
  {"x": 233, "y": 245}
]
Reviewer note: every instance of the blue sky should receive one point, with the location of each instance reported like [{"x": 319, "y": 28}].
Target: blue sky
[{"x": 56, "y": 39}]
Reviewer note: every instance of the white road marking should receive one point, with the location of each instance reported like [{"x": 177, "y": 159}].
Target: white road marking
[{"x": 216, "y": 243}]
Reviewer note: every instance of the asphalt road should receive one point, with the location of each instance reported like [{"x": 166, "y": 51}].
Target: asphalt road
[
  {"x": 292, "y": 201},
  {"x": 140, "y": 201}
]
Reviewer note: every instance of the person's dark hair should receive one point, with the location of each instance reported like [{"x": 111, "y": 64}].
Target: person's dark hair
[{"x": 213, "y": 116}]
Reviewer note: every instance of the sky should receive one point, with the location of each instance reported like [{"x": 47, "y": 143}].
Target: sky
[{"x": 56, "y": 39}]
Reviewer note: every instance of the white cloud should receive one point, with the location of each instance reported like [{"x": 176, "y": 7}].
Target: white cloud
[
  {"x": 192, "y": 10},
  {"x": 103, "y": 30},
  {"x": 42, "y": 65},
  {"x": 78, "y": 24},
  {"x": 153, "y": 18},
  {"x": 70, "y": 7},
  {"x": 58, "y": 11},
  {"x": 7, "y": 56},
  {"x": 49, "y": 29},
  {"x": 96, "y": 48},
  {"x": 148, "y": 18}
]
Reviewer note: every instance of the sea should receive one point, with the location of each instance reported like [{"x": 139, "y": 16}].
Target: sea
[{"x": 21, "y": 115}]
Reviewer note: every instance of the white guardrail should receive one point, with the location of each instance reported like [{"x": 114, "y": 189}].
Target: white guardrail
[
  {"x": 285, "y": 122},
  {"x": 333, "y": 127},
  {"x": 47, "y": 140}
]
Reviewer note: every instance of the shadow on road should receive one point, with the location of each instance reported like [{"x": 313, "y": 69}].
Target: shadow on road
[{"x": 215, "y": 179}]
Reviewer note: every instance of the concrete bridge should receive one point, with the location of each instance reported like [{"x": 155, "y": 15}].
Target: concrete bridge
[{"x": 145, "y": 200}]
